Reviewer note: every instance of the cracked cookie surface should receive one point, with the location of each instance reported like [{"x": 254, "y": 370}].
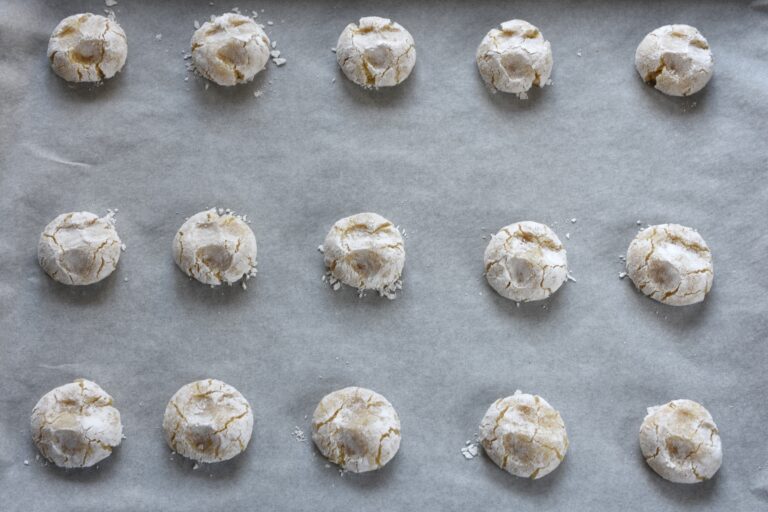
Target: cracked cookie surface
[
  {"x": 230, "y": 49},
  {"x": 366, "y": 251},
  {"x": 514, "y": 57},
  {"x": 216, "y": 247},
  {"x": 680, "y": 441},
  {"x": 208, "y": 421},
  {"x": 524, "y": 435},
  {"x": 79, "y": 248},
  {"x": 671, "y": 263},
  {"x": 675, "y": 59},
  {"x": 87, "y": 48},
  {"x": 75, "y": 425},
  {"x": 376, "y": 52},
  {"x": 525, "y": 261},
  {"x": 356, "y": 428}
]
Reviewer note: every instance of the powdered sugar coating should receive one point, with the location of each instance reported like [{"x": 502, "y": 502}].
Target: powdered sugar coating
[
  {"x": 76, "y": 425},
  {"x": 680, "y": 441},
  {"x": 376, "y": 52},
  {"x": 525, "y": 261},
  {"x": 524, "y": 435},
  {"x": 671, "y": 263},
  {"x": 208, "y": 421},
  {"x": 675, "y": 59},
  {"x": 514, "y": 57},
  {"x": 356, "y": 428},
  {"x": 366, "y": 251},
  {"x": 215, "y": 247},
  {"x": 87, "y": 48},
  {"x": 230, "y": 49},
  {"x": 79, "y": 248}
]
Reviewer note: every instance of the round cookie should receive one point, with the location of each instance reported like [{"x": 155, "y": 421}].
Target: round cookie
[
  {"x": 87, "y": 48},
  {"x": 216, "y": 247},
  {"x": 675, "y": 59},
  {"x": 208, "y": 421},
  {"x": 356, "y": 428},
  {"x": 671, "y": 264},
  {"x": 514, "y": 57},
  {"x": 365, "y": 251},
  {"x": 230, "y": 49},
  {"x": 525, "y": 261},
  {"x": 524, "y": 435},
  {"x": 680, "y": 441},
  {"x": 79, "y": 248},
  {"x": 75, "y": 425},
  {"x": 376, "y": 52}
]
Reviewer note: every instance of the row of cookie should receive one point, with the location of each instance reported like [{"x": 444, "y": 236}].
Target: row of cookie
[
  {"x": 76, "y": 425},
  {"x": 375, "y": 52},
  {"x": 524, "y": 261}
]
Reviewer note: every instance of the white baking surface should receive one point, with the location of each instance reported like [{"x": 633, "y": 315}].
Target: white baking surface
[{"x": 450, "y": 163}]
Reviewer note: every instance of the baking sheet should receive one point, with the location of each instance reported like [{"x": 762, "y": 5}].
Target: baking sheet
[{"x": 448, "y": 162}]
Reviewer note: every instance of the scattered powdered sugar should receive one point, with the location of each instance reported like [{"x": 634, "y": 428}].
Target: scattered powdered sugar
[
  {"x": 470, "y": 451},
  {"x": 471, "y": 448},
  {"x": 298, "y": 434}
]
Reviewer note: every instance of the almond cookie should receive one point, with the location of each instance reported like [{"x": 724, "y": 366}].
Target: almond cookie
[
  {"x": 230, "y": 49},
  {"x": 365, "y": 251},
  {"x": 675, "y": 59},
  {"x": 514, "y": 57},
  {"x": 356, "y": 428},
  {"x": 376, "y": 52},
  {"x": 79, "y": 248},
  {"x": 671, "y": 264},
  {"x": 208, "y": 421},
  {"x": 75, "y": 425},
  {"x": 524, "y": 435},
  {"x": 216, "y": 247},
  {"x": 680, "y": 441},
  {"x": 525, "y": 261},
  {"x": 87, "y": 48}
]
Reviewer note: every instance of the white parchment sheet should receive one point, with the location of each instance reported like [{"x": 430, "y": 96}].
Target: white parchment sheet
[{"x": 448, "y": 162}]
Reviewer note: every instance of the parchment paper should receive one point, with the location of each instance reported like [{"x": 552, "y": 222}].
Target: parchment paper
[{"x": 450, "y": 163}]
